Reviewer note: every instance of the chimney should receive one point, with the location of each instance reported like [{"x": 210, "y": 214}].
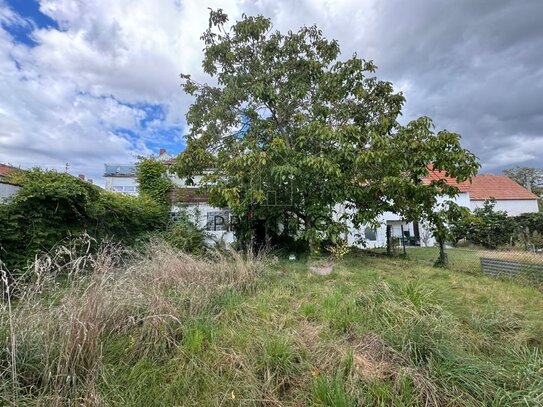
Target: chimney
[
  {"x": 162, "y": 151},
  {"x": 82, "y": 177},
  {"x": 90, "y": 181}
]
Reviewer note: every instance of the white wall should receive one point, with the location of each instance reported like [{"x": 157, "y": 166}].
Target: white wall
[
  {"x": 513, "y": 207},
  {"x": 7, "y": 190},
  {"x": 119, "y": 184},
  {"x": 200, "y": 211}
]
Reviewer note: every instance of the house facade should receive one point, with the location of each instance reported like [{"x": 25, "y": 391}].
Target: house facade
[
  {"x": 510, "y": 197},
  {"x": 7, "y": 188},
  {"x": 121, "y": 178}
]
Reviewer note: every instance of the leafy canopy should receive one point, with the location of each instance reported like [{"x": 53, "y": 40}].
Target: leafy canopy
[{"x": 286, "y": 132}]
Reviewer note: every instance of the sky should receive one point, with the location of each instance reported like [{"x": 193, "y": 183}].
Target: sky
[{"x": 85, "y": 82}]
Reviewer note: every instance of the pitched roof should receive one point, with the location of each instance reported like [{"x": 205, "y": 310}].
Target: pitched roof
[
  {"x": 435, "y": 175},
  {"x": 6, "y": 170},
  {"x": 484, "y": 186},
  {"x": 497, "y": 186}
]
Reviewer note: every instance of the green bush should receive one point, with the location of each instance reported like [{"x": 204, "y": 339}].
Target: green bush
[
  {"x": 51, "y": 206},
  {"x": 185, "y": 234},
  {"x": 530, "y": 229},
  {"x": 153, "y": 180},
  {"x": 486, "y": 227}
]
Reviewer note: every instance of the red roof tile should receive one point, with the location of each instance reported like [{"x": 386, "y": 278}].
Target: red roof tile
[
  {"x": 497, "y": 186},
  {"x": 485, "y": 186},
  {"x": 6, "y": 170},
  {"x": 434, "y": 175}
]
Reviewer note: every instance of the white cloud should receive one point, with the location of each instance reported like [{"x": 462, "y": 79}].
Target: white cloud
[{"x": 65, "y": 99}]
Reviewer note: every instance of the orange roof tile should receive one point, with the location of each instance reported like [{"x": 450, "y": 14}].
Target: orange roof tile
[
  {"x": 497, "y": 186},
  {"x": 484, "y": 186},
  {"x": 435, "y": 175}
]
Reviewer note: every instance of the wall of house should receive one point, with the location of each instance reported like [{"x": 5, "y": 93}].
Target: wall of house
[
  {"x": 7, "y": 190},
  {"x": 216, "y": 221},
  {"x": 513, "y": 207},
  {"x": 125, "y": 185}
]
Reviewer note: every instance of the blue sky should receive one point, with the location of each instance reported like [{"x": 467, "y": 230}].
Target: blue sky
[
  {"x": 87, "y": 82},
  {"x": 30, "y": 11}
]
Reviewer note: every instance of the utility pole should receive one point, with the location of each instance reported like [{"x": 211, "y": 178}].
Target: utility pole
[{"x": 67, "y": 166}]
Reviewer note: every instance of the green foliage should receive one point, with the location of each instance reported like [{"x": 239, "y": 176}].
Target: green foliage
[
  {"x": 530, "y": 228},
  {"x": 153, "y": 180},
  {"x": 290, "y": 131},
  {"x": 185, "y": 234},
  {"x": 486, "y": 227},
  {"x": 331, "y": 392},
  {"x": 51, "y": 206},
  {"x": 441, "y": 220}
]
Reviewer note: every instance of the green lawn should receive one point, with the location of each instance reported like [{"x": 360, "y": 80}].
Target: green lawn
[{"x": 376, "y": 332}]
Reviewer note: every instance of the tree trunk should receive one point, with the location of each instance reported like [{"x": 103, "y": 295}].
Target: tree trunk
[
  {"x": 443, "y": 260},
  {"x": 389, "y": 240}
]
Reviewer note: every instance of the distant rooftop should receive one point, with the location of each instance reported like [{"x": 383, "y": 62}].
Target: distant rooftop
[
  {"x": 6, "y": 170},
  {"x": 120, "y": 170},
  {"x": 484, "y": 186}
]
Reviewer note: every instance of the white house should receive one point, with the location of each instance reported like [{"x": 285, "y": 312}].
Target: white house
[
  {"x": 121, "y": 178},
  {"x": 7, "y": 188},
  {"x": 510, "y": 197}
]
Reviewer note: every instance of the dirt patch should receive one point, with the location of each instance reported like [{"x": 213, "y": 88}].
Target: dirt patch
[
  {"x": 321, "y": 269},
  {"x": 373, "y": 360}
]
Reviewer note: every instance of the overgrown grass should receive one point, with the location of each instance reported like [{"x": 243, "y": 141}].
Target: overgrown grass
[{"x": 170, "y": 329}]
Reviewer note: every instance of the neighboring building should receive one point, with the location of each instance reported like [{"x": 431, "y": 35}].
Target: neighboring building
[
  {"x": 121, "y": 178},
  {"x": 7, "y": 188},
  {"x": 510, "y": 197}
]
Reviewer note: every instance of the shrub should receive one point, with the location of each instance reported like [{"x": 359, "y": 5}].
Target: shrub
[
  {"x": 153, "y": 181},
  {"x": 185, "y": 234},
  {"x": 51, "y": 206},
  {"x": 486, "y": 227}
]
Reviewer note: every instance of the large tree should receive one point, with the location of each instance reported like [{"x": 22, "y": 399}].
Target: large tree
[{"x": 291, "y": 137}]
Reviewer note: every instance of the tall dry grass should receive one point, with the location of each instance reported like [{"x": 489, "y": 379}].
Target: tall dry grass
[{"x": 71, "y": 301}]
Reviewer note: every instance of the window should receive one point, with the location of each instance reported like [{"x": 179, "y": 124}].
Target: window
[
  {"x": 126, "y": 189},
  {"x": 217, "y": 221},
  {"x": 370, "y": 234}
]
